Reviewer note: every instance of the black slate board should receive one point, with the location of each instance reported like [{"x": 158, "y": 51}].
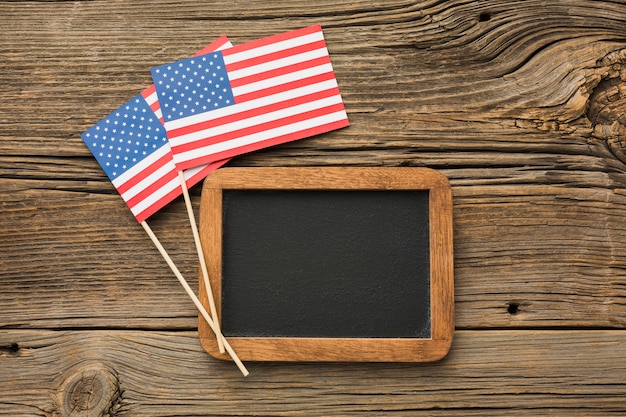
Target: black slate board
[{"x": 305, "y": 263}]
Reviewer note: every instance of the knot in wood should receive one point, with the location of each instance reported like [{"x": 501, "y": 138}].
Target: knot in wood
[
  {"x": 91, "y": 391},
  {"x": 607, "y": 107}
]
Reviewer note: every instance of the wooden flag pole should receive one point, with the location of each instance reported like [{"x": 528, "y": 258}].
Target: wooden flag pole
[
  {"x": 193, "y": 297},
  {"x": 205, "y": 272}
]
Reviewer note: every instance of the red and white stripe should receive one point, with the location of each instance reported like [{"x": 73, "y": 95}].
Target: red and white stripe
[{"x": 284, "y": 88}]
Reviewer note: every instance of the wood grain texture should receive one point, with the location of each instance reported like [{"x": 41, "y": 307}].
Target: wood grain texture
[
  {"x": 488, "y": 373},
  {"x": 520, "y": 104}
]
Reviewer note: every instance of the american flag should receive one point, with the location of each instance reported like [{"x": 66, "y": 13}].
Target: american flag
[
  {"x": 131, "y": 146},
  {"x": 258, "y": 94}
]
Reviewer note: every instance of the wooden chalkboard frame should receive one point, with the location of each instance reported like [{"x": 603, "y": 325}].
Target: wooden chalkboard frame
[{"x": 315, "y": 349}]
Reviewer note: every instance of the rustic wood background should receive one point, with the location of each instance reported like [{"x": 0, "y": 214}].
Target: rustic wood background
[{"x": 521, "y": 104}]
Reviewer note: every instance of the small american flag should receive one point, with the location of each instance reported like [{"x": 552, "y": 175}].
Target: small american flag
[
  {"x": 131, "y": 146},
  {"x": 258, "y": 94}
]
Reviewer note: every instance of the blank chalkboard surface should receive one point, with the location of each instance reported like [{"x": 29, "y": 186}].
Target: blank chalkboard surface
[{"x": 329, "y": 264}]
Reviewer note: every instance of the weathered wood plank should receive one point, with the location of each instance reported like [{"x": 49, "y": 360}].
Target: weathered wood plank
[
  {"x": 76, "y": 258},
  {"x": 452, "y": 72},
  {"x": 65, "y": 264},
  {"x": 138, "y": 373}
]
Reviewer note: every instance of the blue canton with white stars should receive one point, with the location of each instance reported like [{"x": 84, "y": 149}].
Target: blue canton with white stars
[
  {"x": 125, "y": 137},
  {"x": 193, "y": 85}
]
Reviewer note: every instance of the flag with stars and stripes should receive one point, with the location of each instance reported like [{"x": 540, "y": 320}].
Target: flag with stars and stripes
[
  {"x": 251, "y": 96},
  {"x": 131, "y": 146}
]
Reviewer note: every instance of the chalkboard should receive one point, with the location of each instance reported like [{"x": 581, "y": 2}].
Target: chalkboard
[{"x": 329, "y": 264}]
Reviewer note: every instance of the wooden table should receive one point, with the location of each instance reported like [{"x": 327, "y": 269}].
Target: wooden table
[{"x": 522, "y": 105}]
